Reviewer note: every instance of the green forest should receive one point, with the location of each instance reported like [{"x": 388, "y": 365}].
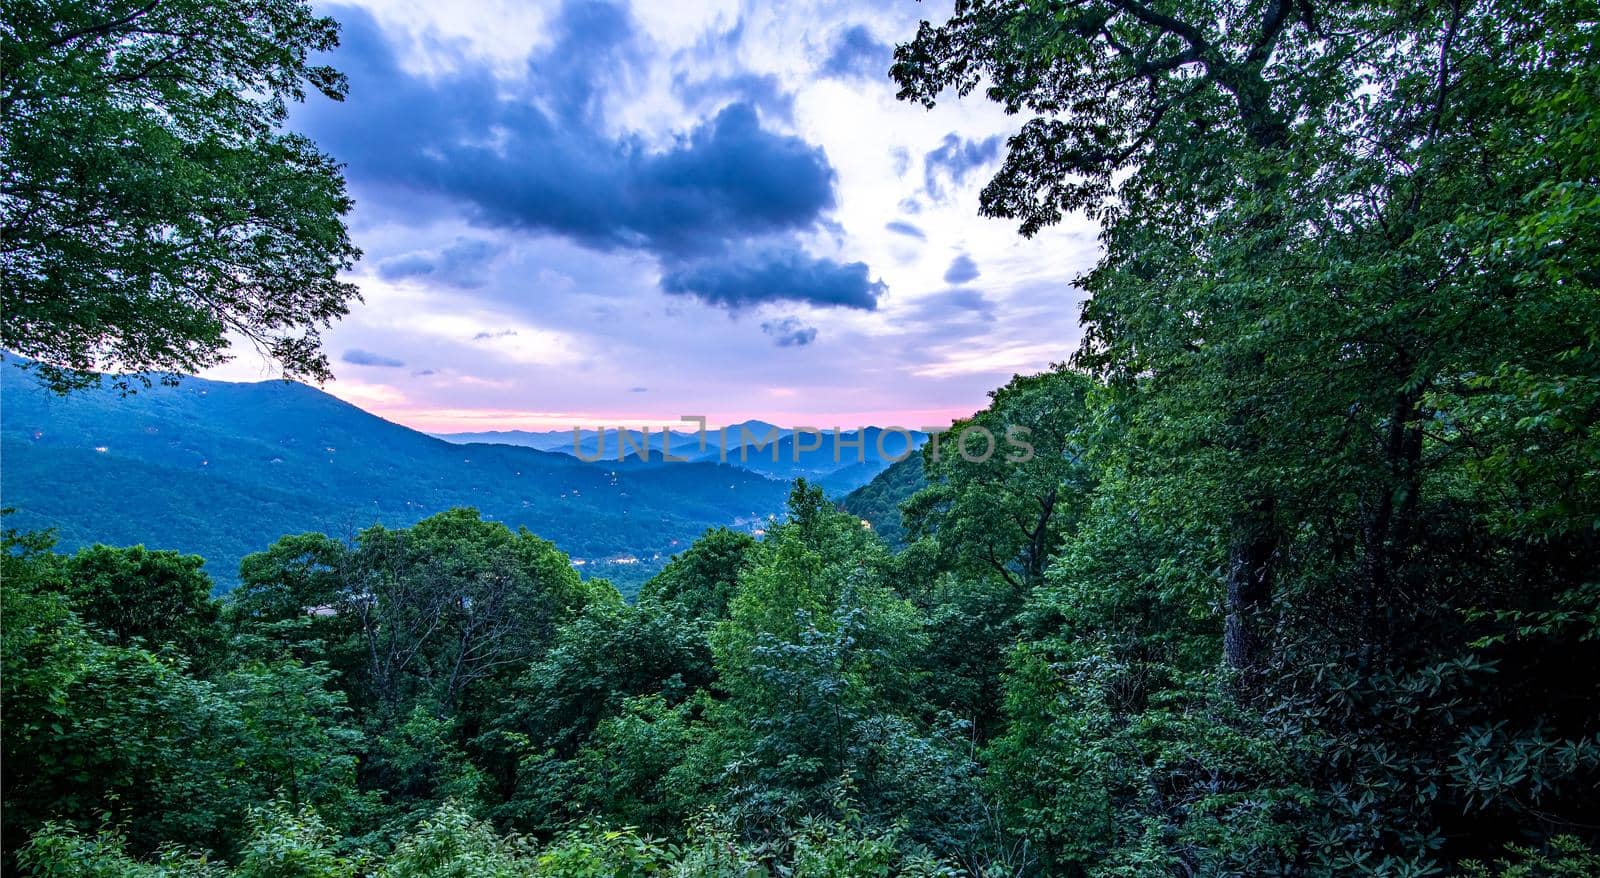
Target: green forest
[{"x": 1302, "y": 579}]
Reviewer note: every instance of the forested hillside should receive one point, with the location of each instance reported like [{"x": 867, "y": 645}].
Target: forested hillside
[
  {"x": 221, "y": 469},
  {"x": 878, "y": 501},
  {"x": 1296, "y": 573}
]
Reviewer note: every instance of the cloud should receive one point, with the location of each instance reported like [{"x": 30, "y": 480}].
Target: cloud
[
  {"x": 464, "y": 264},
  {"x": 954, "y": 159},
  {"x": 857, "y": 53},
  {"x": 756, "y": 275},
  {"x": 358, "y": 357},
  {"x": 961, "y": 270},
  {"x": 951, "y": 315},
  {"x": 789, "y": 332},
  {"x": 485, "y": 336},
  {"x": 964, "y": 300},
  {"x": 761, "y": 90},
  {"x": 728, "y": 179},
  {"x": 902, "y": 160},
  {"x": 443, "y": 148},
  {"x": 595, "y": 42},
  {"x": 537, "y": 155},
  {"x": 901, "y": 227}
]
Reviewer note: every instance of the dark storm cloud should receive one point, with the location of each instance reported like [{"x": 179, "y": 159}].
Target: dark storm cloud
[
  {"x": 755, "y": 275},
  {"x": 961, "y": 270},
  {"x": 537, "y": 155},
  {"x": 730, "y": 179},
  {"x": 464, "y": 264},
  {"x": 901, "y": 227},
  {"x": 789, "y": 332},
  {"x": 594, "y": 42},
  {"x": 358, "y": 357},
  {"x": 954, "y": 159},
  {"x": 856, "y": 52}
]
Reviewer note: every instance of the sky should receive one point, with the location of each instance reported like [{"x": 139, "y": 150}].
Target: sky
[{"x": 586, "y": 214}]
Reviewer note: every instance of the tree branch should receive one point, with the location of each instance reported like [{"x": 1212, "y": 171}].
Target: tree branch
[{"x": 104, "y": 27}]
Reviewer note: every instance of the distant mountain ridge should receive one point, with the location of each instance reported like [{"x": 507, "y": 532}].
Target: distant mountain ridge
[
  {"x": 223, "y": 469},
  {"x": 589, "y": 441},
  {"x": 839, "y": 461}
]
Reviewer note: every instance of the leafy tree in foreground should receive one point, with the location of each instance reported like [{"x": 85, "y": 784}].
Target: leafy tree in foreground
[
  {"x": 995, "y": 508},
  {"x": 451, "y": 602},
  {"x": 95, "y": 729},
  {"x": 1348, "y": 283},
  {"x": 554, "y": 715},
  {"x": 284, "y": 843},
  {"x": 287, "y": 604},
  {"x": 152, "y": 205},
  {"x": 700, "y": 581},
  {"x": 821, "y": 661},
  {"x": 140, "y": 597},
  {"x": 1001, "y": 498}
]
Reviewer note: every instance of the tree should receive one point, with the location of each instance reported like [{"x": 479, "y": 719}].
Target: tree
[
  {"x": 702, "y": 579},
  {"x": 140, "y": 597},
  {"x": 95, "y": 729},
  {"x": 820, "y": 661},
  {"x": 1343, "y": 280},
  {"x": 599, "y": 662},
  {"x": 293, "y": 577},
  {"x": 607, "y": 654},
  {"x": 450, "y": 602},
  {"x": 282, "y": 843},
  {"x": 293, "y": 735},
  {"x": 1182, "y": 98},
  {"x": 999, "y": 501},
  {"x": 419, "y": 763},
  {"x": 287, "y": 603},
  {"x": 152, "y": 206},
  {"x": 634, "y": 767}
]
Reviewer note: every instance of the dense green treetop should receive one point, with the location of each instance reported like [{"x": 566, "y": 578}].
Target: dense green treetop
[
  {"x": 1001, "y": 499},
  {"x": 701, "y": 580},
  {"x": 153, "y": 207}
]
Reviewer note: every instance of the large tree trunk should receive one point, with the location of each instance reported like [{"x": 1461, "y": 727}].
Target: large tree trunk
[
  {"x": 1390, "y": 524},
  {"x": 1249, "y": 592}
]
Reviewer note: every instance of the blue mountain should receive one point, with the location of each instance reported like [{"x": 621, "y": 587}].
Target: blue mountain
[
  {"x": 838, "y": 462},
  {"x": 222, "y": 469}
]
